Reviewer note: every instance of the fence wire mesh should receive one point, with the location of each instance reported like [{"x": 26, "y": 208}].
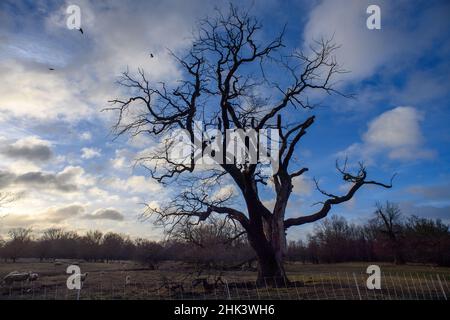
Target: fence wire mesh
[{"x": 323, "y": 286}]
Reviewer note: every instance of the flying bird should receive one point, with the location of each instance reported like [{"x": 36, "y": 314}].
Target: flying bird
[
  {"x": 151, "y": 55},
  {"x": 51, "y": 69},
  {"x": 81, "y": 30}
]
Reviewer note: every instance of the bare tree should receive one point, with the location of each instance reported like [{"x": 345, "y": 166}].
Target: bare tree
[
  {"x": 231, "y": 81},
  {"x": 19, "y": 243},
  {"x": 91, "y": 245},
  {"x": 388, "y": 219}
]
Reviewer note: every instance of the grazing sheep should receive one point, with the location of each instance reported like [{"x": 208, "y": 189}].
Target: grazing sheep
[
  {"x": 83, "y": 276},
  {"x": 33, "y": 276},
  {"x": 15, "y": 276}
]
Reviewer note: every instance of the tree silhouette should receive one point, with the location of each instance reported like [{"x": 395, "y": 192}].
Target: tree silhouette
[
  {"x": 231, "y": 81},
  {"x": 388, "y": 219}
]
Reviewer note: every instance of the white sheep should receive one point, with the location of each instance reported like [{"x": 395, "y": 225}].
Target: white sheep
[
  {"x": 33, "y": 276},
  {"x": 15, "y": 276},
  {"x": 127, "y": 280}
]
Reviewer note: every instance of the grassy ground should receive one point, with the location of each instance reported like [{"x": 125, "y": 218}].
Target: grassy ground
[{"x": 128, "y": 280}]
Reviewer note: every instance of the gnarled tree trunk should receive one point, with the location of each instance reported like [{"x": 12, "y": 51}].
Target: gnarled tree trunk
[{"x": 270, "y": 248}]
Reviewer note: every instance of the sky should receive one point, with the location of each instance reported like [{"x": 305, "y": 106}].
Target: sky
[{"x": 59, "y": 156}]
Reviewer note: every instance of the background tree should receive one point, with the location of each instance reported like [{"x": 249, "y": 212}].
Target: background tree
[
  {"x": 114, "y": 246},
  {"x": 91, "y": 245},
  {"x": 149, "y": 252},
  {"x": 232, "y": 79},
  {"x": 427, "y": 240},
  {"x": 19, "y": 243},
  {"x": 216, "y": 244},
  {"x": 388, "y": 220},
  {"x": 47, "y": 246}
]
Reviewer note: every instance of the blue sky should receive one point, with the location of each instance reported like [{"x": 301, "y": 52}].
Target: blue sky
[{"x": 58, "y": 154}]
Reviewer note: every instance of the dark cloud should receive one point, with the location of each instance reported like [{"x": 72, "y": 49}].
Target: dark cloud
[
  {"x": 6, "y": 178},
  {"x": 435, "y": 192},
  {"x": 65, "y": 213},
  {"x": 105, "y": 214},
  {"x": 46, "y": 180},
  {"x": 37, "y": 152},
  {"x": 59, "y": 182},
  {"x": 427, "y": 211}
]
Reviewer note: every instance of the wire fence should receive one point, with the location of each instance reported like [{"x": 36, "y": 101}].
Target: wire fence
[{"x": 323, "y": 286}]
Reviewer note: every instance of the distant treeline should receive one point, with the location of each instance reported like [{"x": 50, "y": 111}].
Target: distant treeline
[
  {"x": 386, "y": 237},
  {"x": 95, "y": 246}
]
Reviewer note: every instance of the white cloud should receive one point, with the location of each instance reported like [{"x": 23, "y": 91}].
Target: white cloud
[
  {"x": 86, "y": 136},
  {"x": 89, "y": 153},
  {"x": 32, "y": 91},
  {"x": 396, "y": 133},
  {"x": 225, "y": 192},
  {"x": 363, "y": 52},
  {"x": 135, "y": 184},
  {"x": 302, "y": 186}
]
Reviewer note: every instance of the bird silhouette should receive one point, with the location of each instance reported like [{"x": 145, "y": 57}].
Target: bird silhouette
[
  {"x": 151, "y": 55},
  {"x": 81, "y": 30},
  {"x": 51, "y": 69}
]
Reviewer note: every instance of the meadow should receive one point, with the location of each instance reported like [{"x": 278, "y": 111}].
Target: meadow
[{"x": 177, "y": 280}]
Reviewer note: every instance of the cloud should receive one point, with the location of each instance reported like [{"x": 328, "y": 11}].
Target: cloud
[
  {"x": 302, "y": 186},
  {"x": 105, "y": 214},
  {"x": 427, "y": 211},
  {"x": 46, "y": 181},
  {"x": 63, "y": 213},
  {"x": 68, "y": 180},
  {"x": 47, "y": 97},
  {"x": 44, "y": 219},
  {"x": 87, "y": 65},
  {"x": 225, "y": 192},
  {"x": 395, "y": 132},
  {"x": 30, "y": 149},
  {"x": 6, "y": 178},
  {"x": 86, "y": 136},
  {"x": 433, "y": 192},
  {"x": 364, "y": 52},
  {"x": 135, "y": 184},
  {"x": 89, "y": 153}
]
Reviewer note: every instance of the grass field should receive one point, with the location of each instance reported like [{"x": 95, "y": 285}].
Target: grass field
[{"x": 172, "y": 280}]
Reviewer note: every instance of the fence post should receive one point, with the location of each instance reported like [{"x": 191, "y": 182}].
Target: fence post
[
  {"x": 414, "y": 285},
  {"x": 257, "y": 290},
  {"x": 428, "y": 286},
  {"x": 421, "y": 287},
  {"x": 442, "y": 288},
  {"x": 322, "y": 280},
  {"x": 228, "y": 289},
  {"x": 434, "y": 285},
  {"x": 357, "y": 287},
  {"x": 349, "y": 285}
]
